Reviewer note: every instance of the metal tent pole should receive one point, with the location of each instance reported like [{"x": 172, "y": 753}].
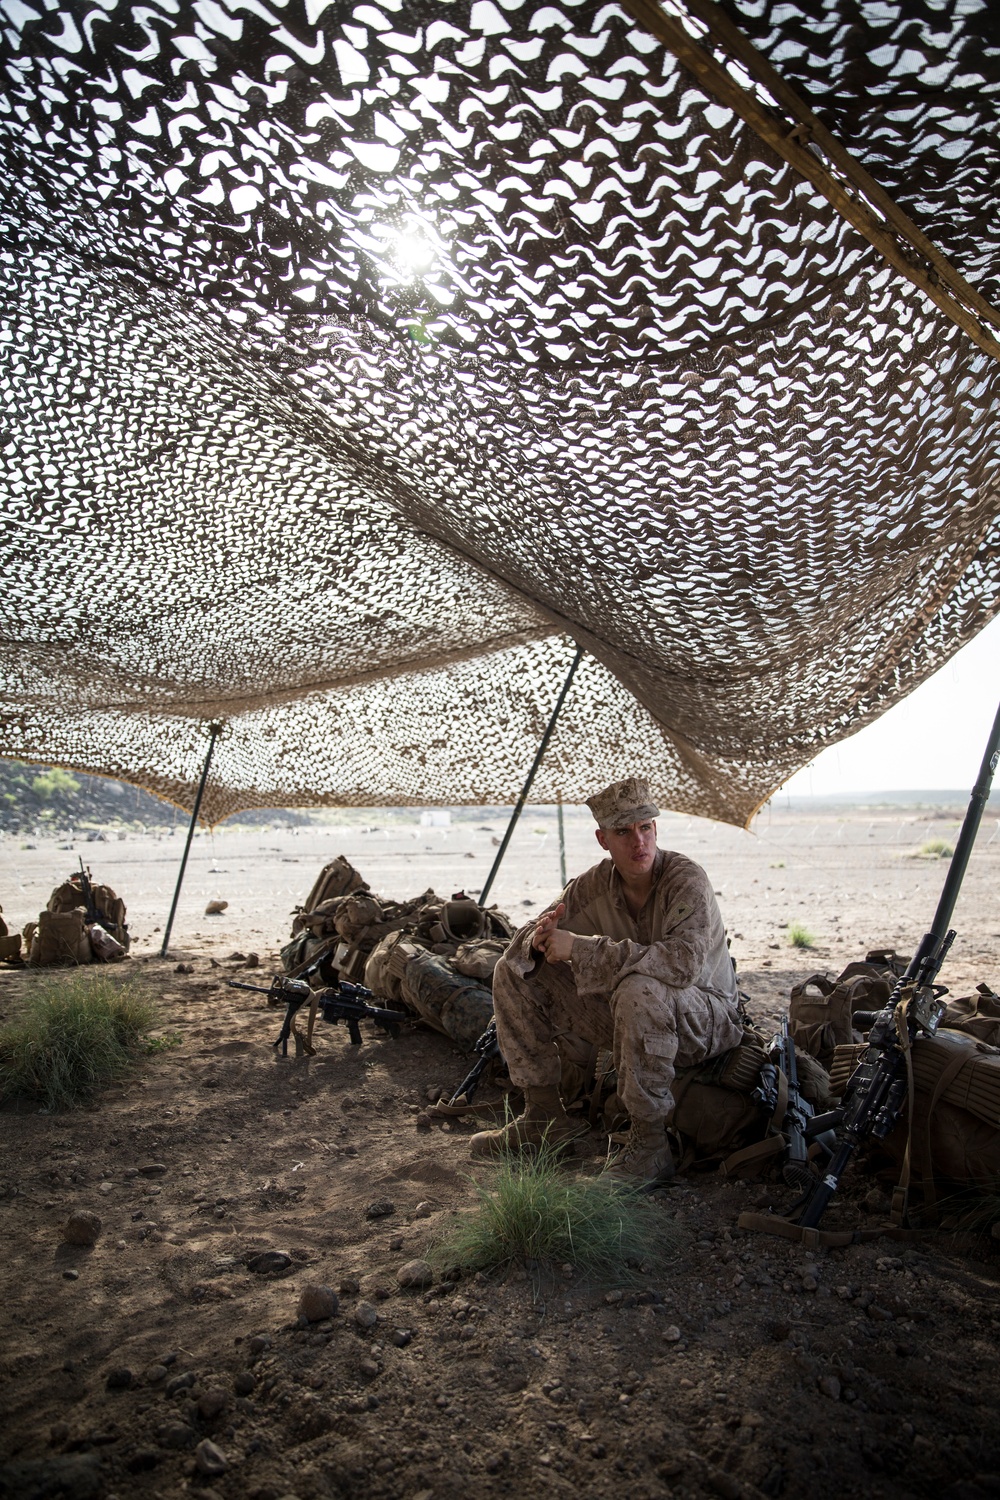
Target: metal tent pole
[
  {"x": 562, "y": 841},
  {"x": 531, "y": 776},
  {"x": 214, "y": 731}
]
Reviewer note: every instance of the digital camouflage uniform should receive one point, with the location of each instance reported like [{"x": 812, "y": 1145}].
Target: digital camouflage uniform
[{"x": 659, "y": 989}]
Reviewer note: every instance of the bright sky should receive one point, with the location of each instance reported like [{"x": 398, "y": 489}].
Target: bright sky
[{"x": 932, "y": 741}]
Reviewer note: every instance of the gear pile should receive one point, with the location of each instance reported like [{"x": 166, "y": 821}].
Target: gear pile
[{"x": 357, "y": 359}]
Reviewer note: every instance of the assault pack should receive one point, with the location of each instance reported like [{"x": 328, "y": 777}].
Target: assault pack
[
  {"x": 82, "y": 923},
  {"x": 435, "y": 956}
]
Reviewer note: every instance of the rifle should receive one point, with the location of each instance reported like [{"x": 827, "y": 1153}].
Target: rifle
[
  {"x": 94, "y": 913},
  {"x": 487, "y": 1048},
  {"x": 343, "y": 1002},
  {"x": 778, "y": 1092},
  {"x": 877, "y": 1089}
]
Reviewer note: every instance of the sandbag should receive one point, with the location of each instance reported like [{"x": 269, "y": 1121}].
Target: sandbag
[
  {"x": 60, "y": 940},
  {"x": 451, "y": 1003}
]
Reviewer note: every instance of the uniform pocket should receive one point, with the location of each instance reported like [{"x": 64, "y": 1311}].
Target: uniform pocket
[{"x": 660, "y": 1046}]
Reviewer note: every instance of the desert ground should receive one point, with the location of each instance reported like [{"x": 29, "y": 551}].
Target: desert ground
[{"x": 749, "y": 1368}]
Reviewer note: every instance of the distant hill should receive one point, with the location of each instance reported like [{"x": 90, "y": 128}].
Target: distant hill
[{"x": 33, "y": 798}]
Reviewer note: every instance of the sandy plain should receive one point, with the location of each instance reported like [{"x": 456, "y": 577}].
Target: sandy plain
[{"x": 750, "y": 1369}]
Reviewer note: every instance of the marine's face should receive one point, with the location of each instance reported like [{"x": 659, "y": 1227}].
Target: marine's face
[{"x": 632, "y": 849}]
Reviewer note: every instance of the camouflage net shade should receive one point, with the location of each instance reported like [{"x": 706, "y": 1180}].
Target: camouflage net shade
[{"x": 358, "y": 359}]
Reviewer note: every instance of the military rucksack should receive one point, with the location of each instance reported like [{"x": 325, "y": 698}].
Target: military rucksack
[{"x": 821, "y": 1010}]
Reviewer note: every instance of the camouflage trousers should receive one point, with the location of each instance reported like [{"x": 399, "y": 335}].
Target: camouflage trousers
[{"x": 649, "y": 1027}]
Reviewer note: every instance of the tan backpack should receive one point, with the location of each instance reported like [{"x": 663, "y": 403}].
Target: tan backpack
[
  {"x": 110, "y": 907},
  {"x": 338, "y": 878},
  {"x": 821, "y": 1010},
  {"x": 10, "y": 943},
  {"x": 60, "y": 940}
]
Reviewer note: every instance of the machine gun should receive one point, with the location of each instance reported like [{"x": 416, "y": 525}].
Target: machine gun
[
  {"x": 342, "y": 1002},
  {"x": 876, "y": 1091}
]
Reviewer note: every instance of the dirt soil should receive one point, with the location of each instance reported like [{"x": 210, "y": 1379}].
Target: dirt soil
[{"x": 751, "y": 1368}]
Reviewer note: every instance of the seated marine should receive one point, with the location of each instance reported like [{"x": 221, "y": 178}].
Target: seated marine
[{"x": 632, "y": 958}]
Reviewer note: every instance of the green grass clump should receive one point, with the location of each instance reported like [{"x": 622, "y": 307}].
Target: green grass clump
[
  {"x": 78, "y": 1033},
  {"x": 937, "y": 849},
  {"x": 799, "y": 936},
  {"x": 530, "y": 1211}
]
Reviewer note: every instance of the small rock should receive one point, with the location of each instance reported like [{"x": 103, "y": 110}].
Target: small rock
[
  {"x": 433, "y": 1093},
  {"x": 253, "y": 961},
  {"x": 106, "y": 1188},
  {"x": 401, "y": 1337},
  {"x": 81, "y": 1228},
  {"x": 183, "y": 1382},
  {"x": 809, "y": 1283},
  {"x": 152, "y": 1169},
  {"x": 396, "y": 1243},
  {"x": 58, "y": 1433},
  {"x": 349, "y": 1286},
  {"x": 317, "y": 1303},
  {"x": 209, "y": 1458},
  {"x": 423, "y": 1210},
  {"x": 365, "y": 1315},
  {"x": 422, "y": 1121},
  {"x": 380, "y": 1209},
  {"x": 369, "y": 1367},
  {"x": 269, "y": 1262},
  {"x": 415, "y": 1273},
  {"x": 829, "y": 1385},
  {"x": 175, "y": 1435},
  {"x": 260, "y": 1343},
  {"x": 212, "y": 1403},
  {"x": 120, "y": 1379},
  {"x": 671, "y": 1334},
  {"x": 215, "y": 909},
  {"x": 184, "y": 969},
  {"x": 71, "y": 1276},
  {"x": 613, "y": 1298},
  {"x": 244, "y": 1383},
  {"x": 155, "y": 1374}
]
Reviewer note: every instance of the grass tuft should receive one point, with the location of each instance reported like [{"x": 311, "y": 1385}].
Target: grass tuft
[
  {"x": 531, "y": 1212},
  {"x": 799, "y": 936},
  {"x": 79, "y": 1032},
  {"x": 937, "y": 849}
]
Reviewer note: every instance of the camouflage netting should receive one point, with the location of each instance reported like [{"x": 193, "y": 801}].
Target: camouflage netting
[{"x": 359, "y": 358}]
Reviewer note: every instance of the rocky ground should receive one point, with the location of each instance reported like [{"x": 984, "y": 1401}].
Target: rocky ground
[{"x": 168, "y": 1359}]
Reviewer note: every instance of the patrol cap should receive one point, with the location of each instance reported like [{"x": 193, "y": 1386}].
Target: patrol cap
[{"x": 623, "y": 803}]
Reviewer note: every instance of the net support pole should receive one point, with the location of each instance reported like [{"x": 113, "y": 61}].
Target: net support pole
[
  {"x": 562, "y": 841},
  {"x": 531, "y": 776},
  {"x": 214, "y": 731}
]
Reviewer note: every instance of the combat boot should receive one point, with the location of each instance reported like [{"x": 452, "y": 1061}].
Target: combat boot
[
  {"x": 544, "y": 1121},
  {"x": 644, "y": 1162}
]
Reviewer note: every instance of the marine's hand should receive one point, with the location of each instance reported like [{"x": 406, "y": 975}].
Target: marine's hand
[{"x": 551, "y": 939}]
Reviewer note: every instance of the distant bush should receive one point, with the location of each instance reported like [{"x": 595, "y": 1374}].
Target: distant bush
[
  {"x": 79, "y": 1032},
  {"x": 531, "y": 1212},
  {"x": 54, "y": 783},
  {"x": 937, "y": 849},
  {"x": 799, "y": 936}
]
